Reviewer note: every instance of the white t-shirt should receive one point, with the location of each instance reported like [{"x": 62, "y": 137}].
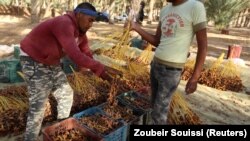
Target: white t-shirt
[{"x": 178, "y": 25}]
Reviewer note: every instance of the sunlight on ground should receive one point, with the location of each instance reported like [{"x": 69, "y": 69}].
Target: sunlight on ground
[
  {"x": 215, "y": 107},
  {"x": 25, "y": 31},
  {"x": 230, "y": 37},
  {"x": 10, "y": 19}
]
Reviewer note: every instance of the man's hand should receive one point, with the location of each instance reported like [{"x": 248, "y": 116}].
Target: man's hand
[
  {"x": 110, "y": 73},
  {"x": 191, "y": 86},
  {"x": 106, "y": 76},
  {"x": 132, "y": 25}
]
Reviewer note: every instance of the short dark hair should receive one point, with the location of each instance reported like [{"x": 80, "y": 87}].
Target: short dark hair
[{"x": 86, "y": 5}]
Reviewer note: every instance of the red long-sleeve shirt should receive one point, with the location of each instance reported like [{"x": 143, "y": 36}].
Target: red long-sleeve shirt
[{"x": 48, "y": 42}]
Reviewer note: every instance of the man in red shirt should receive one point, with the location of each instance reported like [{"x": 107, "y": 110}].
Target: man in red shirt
[{"x": 41, "y": 51}]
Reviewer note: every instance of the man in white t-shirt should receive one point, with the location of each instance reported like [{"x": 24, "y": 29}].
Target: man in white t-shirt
[{"x": 179, "y": 21}]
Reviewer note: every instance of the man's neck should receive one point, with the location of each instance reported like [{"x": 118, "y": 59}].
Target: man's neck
[{"x": 178, "y": 2}]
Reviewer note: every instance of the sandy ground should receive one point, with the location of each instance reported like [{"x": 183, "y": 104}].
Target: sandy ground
[
  {"x": 13, "y": 29},
  {"x": 213, "y": 106},
  {"x": 220, "y": 107}
]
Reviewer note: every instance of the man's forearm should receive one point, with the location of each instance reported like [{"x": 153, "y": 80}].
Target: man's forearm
[
  {"x": 147, "y": 36},
  {"x": 201, "y": 54},
  {"x": 200, "y": 59},
  {"x": 152, "y": 39}
]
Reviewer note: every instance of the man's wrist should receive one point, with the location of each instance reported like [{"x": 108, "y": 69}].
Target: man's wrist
[{"x": 195, "y": 78}]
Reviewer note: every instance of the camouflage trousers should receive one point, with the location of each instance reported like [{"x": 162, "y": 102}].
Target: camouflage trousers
[
  {"x": 164, "y": 81},
  {"x": 43, "y": 80}
]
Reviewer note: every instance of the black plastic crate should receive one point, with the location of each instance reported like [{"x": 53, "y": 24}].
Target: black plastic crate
[{"x": 137, "y": 102}]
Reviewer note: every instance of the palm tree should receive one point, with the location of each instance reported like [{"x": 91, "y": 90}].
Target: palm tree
[
  {"x": 151, "y": 8},
  {"x": 35, "y": 10},
  {"x": 221, "y": 12}
]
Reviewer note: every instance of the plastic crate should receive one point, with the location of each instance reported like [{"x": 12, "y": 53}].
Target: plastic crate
[
  {"x": 67, "y": 64},
  {"x": 129, "y": 99},
  {"x": 145, "y": 92},
  {"x": 8, "y": 71},
  {"x": 17, "y": 51},
  {"x": 138, "y": 120},
  {"x": 119, "y": 134},
  {"x": 67, "y": 125}
]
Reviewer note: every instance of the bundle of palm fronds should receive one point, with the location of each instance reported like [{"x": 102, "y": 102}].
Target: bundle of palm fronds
[{"x": 180, "y": 113}]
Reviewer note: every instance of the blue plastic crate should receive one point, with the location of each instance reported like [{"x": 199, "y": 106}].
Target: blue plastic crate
[
  {"x": 137, "y": 120},
  {"x": 17, "y": 51},
  {"x": 8, "y": 71},
  {"x": 138, "y": 114},
  {"x": 119, "y": 134}
]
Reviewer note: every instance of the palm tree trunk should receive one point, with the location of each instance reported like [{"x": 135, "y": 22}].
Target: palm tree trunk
[
  {"x": 110, "y": 9},
  {"x": 151, "y": 11},
  {"x": 75, "y": 2},
  {"x": 35, "y": 10}
]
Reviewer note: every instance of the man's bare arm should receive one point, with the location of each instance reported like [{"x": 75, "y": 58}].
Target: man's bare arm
[
  {"x": 152, "y": 39},
  {"x": 201, "y": 37}
]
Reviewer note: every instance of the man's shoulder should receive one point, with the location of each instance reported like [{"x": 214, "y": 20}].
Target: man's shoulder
[
  {"x": 194, "y": 5},
  {"x": 65, "y": 18},
  {"x": 197, "y": 2},
  {"x": 166, "y": 7},
  {"x": 64, "y": 21},
  {"x": 198, "y": 5},
  {"x": 191, "y": 3}
]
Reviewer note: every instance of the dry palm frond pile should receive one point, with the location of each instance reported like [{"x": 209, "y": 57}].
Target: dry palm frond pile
[
  {"x": 85, "y": 92},
  {"x": 13, "y": 97},
  {"x": 134, "y": 77},
  {"x": 87, "y": 81},
  {"x": 179, "y": 112},
  {"x": 146, "y": 56},
  {"x": 117, "y": 51},
  {"x": 11, "y": 102},
  {"x": 218, "y": 75},
  {"x": 14, "y": 109},
  {"x": 136, "y": 70},
  {"x": 13, "y": 121},
  {"x": 115, "y": 110}
]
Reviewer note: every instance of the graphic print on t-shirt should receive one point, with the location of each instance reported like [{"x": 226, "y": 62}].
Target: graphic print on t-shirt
[{"x": 170, "y": 24}]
